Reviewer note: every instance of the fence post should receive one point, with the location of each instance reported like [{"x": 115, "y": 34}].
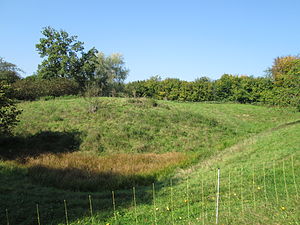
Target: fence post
[
  {"x": 294, "y": 178},
  {"x": 91, "y": 206},
  {"x": 38, "y": 214},
  {"x": 218, "y": 196},
  {"x": 274, "y": 176},
  {"x": 134, "y": 203},
  {"x": 7, "y": 218},
  {"x": 114, "y": 204},
  {"x": 66, "y": 212},
  {"x": 172, "y": 204},
  {"x": 187, "y": 200},
  {"x": 154, "y": 205}
]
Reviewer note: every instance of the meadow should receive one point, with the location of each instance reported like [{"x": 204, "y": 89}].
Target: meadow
[{"x": 158, "y": 157}]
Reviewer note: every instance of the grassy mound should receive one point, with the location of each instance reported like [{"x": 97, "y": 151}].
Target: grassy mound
[
  {"x": 143, "y": 126},
  {"x": 126, "y": 142},
  {"x": 131, "y": 142}
]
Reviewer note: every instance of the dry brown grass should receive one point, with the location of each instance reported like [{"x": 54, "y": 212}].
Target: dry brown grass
[{"x": 81, "y": 171}]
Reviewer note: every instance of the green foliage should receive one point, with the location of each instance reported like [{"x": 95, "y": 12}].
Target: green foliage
[
  {"x": 33, "y": 88},
  {"x": 284, "y": 91},
  {"x": 9, "y": 72},
  {"x": 87, "y": 64},
  {"x": 61, "y": 54},
  {"x": 285, "y": 66},
  {"x": 8, "y": 111},
  {"x": 91, "y": 92},
  {"x": 110, "y": 73},
  {"x": 64, "y": 58}
]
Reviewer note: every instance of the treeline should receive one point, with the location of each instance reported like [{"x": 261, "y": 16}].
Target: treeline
[
  {"x": 66, "y": 69},
  {"x": 280, "y": 86},
  {"x": 243, "y": 89}
]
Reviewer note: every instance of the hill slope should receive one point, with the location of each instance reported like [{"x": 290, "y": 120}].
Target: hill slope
[
  {"x": 59, "y": 147},
  {"x": 259, "y": 185}
]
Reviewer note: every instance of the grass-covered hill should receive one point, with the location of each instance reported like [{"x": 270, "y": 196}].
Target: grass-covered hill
[
  {"x": 259, "y": 184},
  {"x": 61, "y": 150}
]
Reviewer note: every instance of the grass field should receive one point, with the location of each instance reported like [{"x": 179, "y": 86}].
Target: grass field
[{"x": 60, "y": 152}]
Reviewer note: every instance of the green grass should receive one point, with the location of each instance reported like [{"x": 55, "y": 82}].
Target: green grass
[
  {"x": 251, "y": 200},
  {"x": 130, "y": 126},
  {"x": 136, "y": 126},
  {"x": 229, "y": 136}
]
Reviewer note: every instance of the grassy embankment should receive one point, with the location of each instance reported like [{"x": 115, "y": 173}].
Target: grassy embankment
[
  {"x": 259, "y": 185},
  {"x": 126, "y": 143}
]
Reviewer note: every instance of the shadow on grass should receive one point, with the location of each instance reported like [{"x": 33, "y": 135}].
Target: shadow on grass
[
  {"x": 17, "y": 147},
  {"x": 20, "y": 197},
  {"x": 78, "y": 179},
  {"x": 24, "y": 186}
]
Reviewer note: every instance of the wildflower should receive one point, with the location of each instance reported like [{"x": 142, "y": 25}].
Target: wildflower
[
  {"x": 180, "y": 217},
  {"x": 258, "y": 188},
  {"x": 234, "y": 194},
  {"x": 185, "y": 200},
  {"x": 156, "y": 209},
  {"x": 167, "y": 208},
  {"x": 282, "y": 208}
]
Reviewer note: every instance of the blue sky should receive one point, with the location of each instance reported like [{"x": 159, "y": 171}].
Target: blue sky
[{"x": 183, "y": 39}]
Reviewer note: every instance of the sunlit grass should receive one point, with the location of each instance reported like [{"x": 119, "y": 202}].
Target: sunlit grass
[{"x": 78, "y": 171}]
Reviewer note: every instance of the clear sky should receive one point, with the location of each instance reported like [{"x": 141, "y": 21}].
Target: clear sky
[{"x": 183, "y": 39}]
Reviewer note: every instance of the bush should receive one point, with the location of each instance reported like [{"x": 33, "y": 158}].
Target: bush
[
  {"x": 33, "y": 88},
  {"x": 8, "y": 111},
  {"x": 283, "y": 91}
]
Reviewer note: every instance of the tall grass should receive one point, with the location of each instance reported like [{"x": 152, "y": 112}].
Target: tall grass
[{"x": 79, "y": 171}]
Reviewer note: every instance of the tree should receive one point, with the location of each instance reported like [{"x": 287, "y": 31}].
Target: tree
[
  {"x": 61, "y": 54},
  {"x": 8, "y": 110},
  {"x": 9, "y": 72},
  {"x": 284, "y": 67},
  {"x": 64, "y": 57},
  {"x": 110, "y": 73},
  {"x": 88, "y": 63}
]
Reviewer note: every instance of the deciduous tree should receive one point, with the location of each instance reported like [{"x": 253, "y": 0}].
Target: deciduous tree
[
  {"x": 61, "y": 53},
  {"x": 9, "y": 72}
]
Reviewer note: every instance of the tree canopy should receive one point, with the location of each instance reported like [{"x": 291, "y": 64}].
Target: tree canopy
[
  {"x": 60, "y": 53},
  {"x": 110, "y": 72},
  {"x": 284, "y": 67},
  {"x": 64, "y": 57},
  {"x": 9, "y": 72}
]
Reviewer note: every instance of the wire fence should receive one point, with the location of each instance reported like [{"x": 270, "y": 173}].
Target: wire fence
[{"x": 250, "y": 194}]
